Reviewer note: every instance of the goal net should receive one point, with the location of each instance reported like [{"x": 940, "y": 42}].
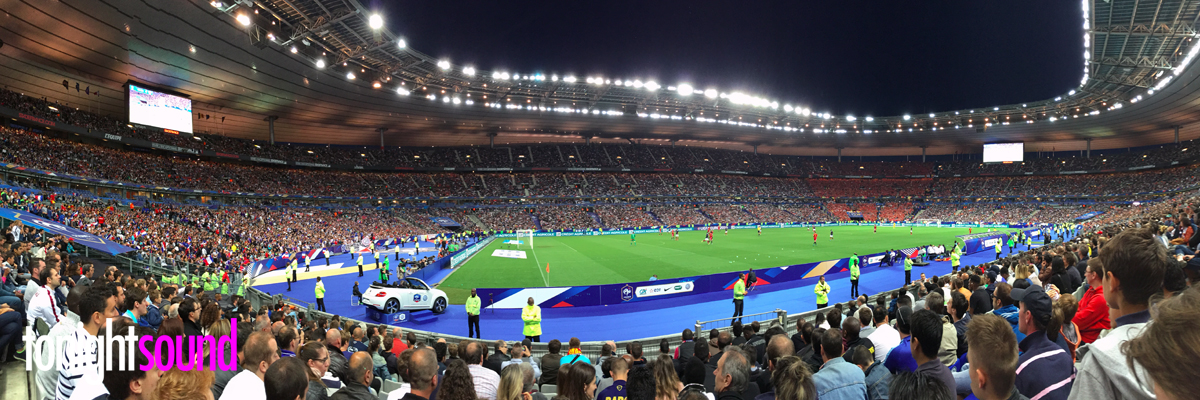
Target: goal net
[
  {"x": 929, "y": 221},
  {"x": 524, "y": 239}
]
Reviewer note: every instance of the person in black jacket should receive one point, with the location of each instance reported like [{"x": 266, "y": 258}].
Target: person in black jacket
[{"x": 189, "y": 311}]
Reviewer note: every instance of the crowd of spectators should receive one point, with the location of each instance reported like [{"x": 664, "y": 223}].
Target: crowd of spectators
[
  {"x": 842, "y": 188},
  {"x": 615, "y": 216},
  {"x": 33, "y": 150},
  {"x": 1049, "y": 321},
  {"x": 682, "y": 215}
]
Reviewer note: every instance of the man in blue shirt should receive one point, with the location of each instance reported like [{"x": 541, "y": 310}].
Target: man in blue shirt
[
  {"x": 837, "y": 378},
  {"x": 900, "y": 359},
  {"x": 1044, "y": 370},
  {"x": 1005, "y": 306}
]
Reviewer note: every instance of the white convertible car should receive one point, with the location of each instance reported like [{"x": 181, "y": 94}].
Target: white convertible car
[{"x": 409, "y": 294}]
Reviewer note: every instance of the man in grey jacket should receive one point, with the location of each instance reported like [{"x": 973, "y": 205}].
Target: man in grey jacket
[{"x": 1133, "y": 269}]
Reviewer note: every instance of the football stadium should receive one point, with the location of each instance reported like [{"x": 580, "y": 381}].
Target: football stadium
[{"x": 340, "y": 199}]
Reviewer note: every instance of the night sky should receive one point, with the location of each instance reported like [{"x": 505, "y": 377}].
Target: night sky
[{"x": 846, "y": 56}]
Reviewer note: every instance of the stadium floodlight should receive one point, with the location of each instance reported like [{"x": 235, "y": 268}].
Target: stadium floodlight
[
  {"x": 788, "y": 107},
  {"x": 907, "y": 117},
  {"x": 350, "y": 75},
  {"x": 294, "y": 50},
  {"x": 870, "y": 119},
  {"x": 401, "y": 43},
  {"x": 376, "y": 21},
  {"x": 320, "y": 63},
  {"x": 637, "y": 84},
  {"x": 243, "y": 19},
  {"x": 443, "y": 64},
  {"x": 217, "y": 4},
  {"x": 806, "y": 112},
  {"x": 851, "y": 118},
  {"x": 652, "y": 85},
  {"x": 569, "y": 79},
  {"x": 401, "y": 91},
  {"x": 469, "y": 71},
  {"x": 684, "y": 89}
]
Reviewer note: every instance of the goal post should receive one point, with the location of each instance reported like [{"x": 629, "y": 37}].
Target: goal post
[
  {"x": 930, "y": 221},
  {"x": 525, "y": 238}
]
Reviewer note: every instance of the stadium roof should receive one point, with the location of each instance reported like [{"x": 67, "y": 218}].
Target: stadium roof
[{"x": 236, "y": 59}]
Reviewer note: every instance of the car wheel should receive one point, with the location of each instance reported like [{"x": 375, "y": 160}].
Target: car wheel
[
  {"x": 439, "y": 305},
  {"x": 391, "y": 306}
]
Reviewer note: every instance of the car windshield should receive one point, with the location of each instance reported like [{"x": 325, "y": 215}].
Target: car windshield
[{"x": 416, "y": 284}]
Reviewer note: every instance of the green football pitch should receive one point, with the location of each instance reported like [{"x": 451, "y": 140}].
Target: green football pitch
[{"x": 597, "y": 260}]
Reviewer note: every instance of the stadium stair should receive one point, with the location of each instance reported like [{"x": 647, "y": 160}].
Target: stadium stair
[
  {"x": 477, "y": 221},
  {"x": 710, "y": 218},
  {"x": 422, "y": 317},
  {"x": 597, "y": 219},
  {"x": 655, "y": 216},
  {"x": 536, "y": 221}
]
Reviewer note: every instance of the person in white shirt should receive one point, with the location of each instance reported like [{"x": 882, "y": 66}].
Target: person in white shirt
[
  {"x": 31, "y": 287},
  {"x": 486, "y": 381},
  {"x": 43, "y": 305},
  {"x": 47, "y": 378},
  {"x": 79, "y": 361},
  {"x": 885, "y": 338},
  {"x": 261, "y": 351}
]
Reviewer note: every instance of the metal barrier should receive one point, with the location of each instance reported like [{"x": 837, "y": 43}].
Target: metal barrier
[{"x": 777, "y": 315}]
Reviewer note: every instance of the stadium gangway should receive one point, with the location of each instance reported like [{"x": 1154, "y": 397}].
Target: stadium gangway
[{"x": 764, "y": 317}]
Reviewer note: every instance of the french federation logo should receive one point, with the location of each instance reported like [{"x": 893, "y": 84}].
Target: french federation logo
[
  {"x": 627, "y": 293},
  {"x": 416, "y": 298}
]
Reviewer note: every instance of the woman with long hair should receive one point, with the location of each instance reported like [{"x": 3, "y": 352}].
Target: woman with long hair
[
  {"x": 380, "y": 363},
  {"x": 512, "y": 384},
  {"x": 176, "y": 384},
  {"x": 211, "y": 313},
  {"x": 316, "y": 357},
  {"x": 217, "y": 329},
  {"x": 456, "y": 382},
  {"x": 577, "y": 383},
  {"x": 666, "y": 382}
]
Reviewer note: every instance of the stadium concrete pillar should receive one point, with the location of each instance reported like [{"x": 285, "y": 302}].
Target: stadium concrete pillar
[
  {"x": 839, "y": 149},
  {"x": 1089, "y": 148},
  {"x": 1176, "y": 134},
  {"x": 923, "y": 148},
  {"x": 755, "y": 148},
  {"x": 381, "y": 131},
  {"x": 271, "y": 126},
  {"x": 491, "y": 139}
]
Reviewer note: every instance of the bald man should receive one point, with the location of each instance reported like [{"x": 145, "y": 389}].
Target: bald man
[
  {"x": 358, "y": 379},
  {"x": 337, "y": 361},
  {"x": 422, "y": 368}
]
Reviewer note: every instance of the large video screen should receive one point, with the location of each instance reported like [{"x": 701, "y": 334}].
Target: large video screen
[
  {"x": 148, "y": 107},
  {"x": 1003, "y": 152}
]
